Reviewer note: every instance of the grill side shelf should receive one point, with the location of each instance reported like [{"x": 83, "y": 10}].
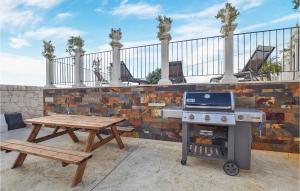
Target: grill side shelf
[{"x": 205, "y": 151}]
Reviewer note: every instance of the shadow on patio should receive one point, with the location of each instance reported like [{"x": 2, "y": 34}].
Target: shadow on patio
[{"x": 146, "y": 165}]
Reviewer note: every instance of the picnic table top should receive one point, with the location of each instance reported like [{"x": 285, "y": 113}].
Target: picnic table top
[{"x": 76, "y": 121}]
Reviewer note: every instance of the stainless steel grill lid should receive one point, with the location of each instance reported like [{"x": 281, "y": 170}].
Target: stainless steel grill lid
[{"x": 208, "y": 100}]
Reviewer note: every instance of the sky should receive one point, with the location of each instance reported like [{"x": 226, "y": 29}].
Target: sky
[{"x": 25, "y": 24}]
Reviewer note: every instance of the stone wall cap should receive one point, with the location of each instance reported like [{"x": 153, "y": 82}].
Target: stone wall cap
[
  {"x": 4, "y": 87},
  {"x": 183, "y": 84}
]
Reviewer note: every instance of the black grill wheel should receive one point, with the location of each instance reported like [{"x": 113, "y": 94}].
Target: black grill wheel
[{"x": 230, "y": 168}]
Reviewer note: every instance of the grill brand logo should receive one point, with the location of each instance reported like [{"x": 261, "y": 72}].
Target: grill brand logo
[
  {"x": 206, "y": 96},
  {"x": 190, "y": 100}
]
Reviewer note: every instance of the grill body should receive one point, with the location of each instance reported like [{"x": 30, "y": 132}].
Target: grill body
[{"x": 228, "y": 128}]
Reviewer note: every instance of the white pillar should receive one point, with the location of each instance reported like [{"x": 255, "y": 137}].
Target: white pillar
[
  {"x": 49, "y": 74},
  {"x": 228, "y": 76},
  {"x": 78, "y": 69},
  {"x": 115, "y": 70},
  {"x": 165, "y": 60},
  {"x": 116, "y": 65}
]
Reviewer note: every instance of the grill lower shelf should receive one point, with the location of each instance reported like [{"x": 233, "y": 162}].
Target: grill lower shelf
[{"x": 207, "y": 151}]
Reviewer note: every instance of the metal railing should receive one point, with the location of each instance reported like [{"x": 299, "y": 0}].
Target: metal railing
[
  {"x": 140, "y": 60},
  {"x": 282, "y": 43},
  {"x": 63, "y": 68},
  {"x": 96, "y": 68},
  {"x": 199, "y": 59}
]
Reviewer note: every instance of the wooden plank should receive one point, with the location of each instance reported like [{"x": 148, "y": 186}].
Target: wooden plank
[
  {"x": 77, "y": 121},
  {"x": 193, "y": 147},
  {"x": 99, "y": 137},
  {"x": 49, "y": 152},
  {"x": 44, "y": 147},
  {"x": 22, "y": 156},
  {"x": 125, "y": 129},
  {"x": 102, "y": 142},
  {"x": 90, "y": 141},
  {"x": 53, "y": 135},
  {"x": 79, "y": 173},
  {"x": 117, "y": 136},
  {"x": 55, "y": 130},
  {"x": 69, "y": 158},
  {"x": 73, "y": 136}
]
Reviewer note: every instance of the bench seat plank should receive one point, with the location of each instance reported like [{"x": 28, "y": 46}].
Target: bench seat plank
[
  {"x": 125, "y": 129},
  {"x": 67, "y": 156}
]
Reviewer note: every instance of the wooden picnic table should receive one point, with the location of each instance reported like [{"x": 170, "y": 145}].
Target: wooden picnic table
[
  {"x": 70, "y": 123},
  {"x": 66, "y": 124}
]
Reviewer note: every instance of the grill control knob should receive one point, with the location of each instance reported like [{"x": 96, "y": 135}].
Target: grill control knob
[
  {"x": 224, "y": 118},
  {"x": 240, "y": 117},
  {"x": 206, "y": 118},
  {"x": 192, "y": 116}
]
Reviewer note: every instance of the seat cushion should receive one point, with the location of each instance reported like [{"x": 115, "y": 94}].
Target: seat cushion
[{"x": 14, "y": 120}]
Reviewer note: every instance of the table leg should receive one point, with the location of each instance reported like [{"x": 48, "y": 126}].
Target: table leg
[
  {"x": 117, "y": 136},
  {"x": 90, "y": 141},
  {"x": 79, "y": 173},
  {"x": 21, "y": 157},
  {"x": 73, "y": 136}
]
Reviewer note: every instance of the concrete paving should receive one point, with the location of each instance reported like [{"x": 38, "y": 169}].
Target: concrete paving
[{"x": 145, "y": 165}]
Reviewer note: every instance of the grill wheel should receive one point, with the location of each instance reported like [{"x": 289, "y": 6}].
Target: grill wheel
[{"x": 231, "y": 168}]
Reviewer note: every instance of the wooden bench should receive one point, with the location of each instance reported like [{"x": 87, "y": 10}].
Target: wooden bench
[
  {"x": 62, "y": 155},
  {"x": 122, "y": 129}
]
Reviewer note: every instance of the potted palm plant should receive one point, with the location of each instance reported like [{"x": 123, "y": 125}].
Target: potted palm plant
[
  {"x": 75, "y": 43},
  {"x": 48, "y": 51}
]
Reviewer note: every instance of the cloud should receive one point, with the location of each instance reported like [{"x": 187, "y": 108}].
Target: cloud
[
  {"x": 20, "y": 13},
  {"x": 246, "y": 4},
  {"x": 123, "y": 2},
  {"x": 15, "y": 42},
  {"x": 52, "y": 32},
  {"x": 211, "y": 11},
  {"x": 62, "y": 16},
  {"x": 207, "y": 12},
  {"x": 99, "y": 9},
  {"x": 41, "y": 3},
  {"x": 14, "y": 70},
  {"x": 196, "y": 29},
  {"x": 103, "y": 3},
  {"x": 12, "y": 19},
  {"x": 141, "y": 10},
  {"x": 294, "y": 16}
]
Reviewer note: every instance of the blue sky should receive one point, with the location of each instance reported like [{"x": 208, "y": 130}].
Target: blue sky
[{"x": 25, "y": 23}]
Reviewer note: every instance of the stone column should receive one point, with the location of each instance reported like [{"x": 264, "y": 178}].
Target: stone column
[
  {"x": 165, "y": 61},
  {"x": 115, "y": 70},
  {"x": 49, "y": 73},
  {"x": 228, "y": 76},
  {"x": 78, "y": 69},
  {"x": 164, "y": 36}
]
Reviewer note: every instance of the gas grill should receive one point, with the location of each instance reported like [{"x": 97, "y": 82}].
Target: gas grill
[{"x": 227, "y": 128}]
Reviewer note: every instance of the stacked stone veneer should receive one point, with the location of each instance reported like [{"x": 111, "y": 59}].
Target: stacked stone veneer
[
  {"x": 142, "y": 106},
  {"x": 27, "y": 100}
]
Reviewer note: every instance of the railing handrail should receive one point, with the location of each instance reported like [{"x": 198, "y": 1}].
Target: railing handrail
[
  {"x": 269, "y": 30},
  {"x": 187, "y": 40}
]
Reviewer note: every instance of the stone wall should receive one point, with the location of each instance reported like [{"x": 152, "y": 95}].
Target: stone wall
[
  {"x": 27, "y": 100},
  {"x": 141, "y": 105}
]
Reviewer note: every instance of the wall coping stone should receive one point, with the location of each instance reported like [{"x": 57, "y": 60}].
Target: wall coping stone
[
  {"x": 19, "y": 88},
  {"x": 183, "y": 84}
]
